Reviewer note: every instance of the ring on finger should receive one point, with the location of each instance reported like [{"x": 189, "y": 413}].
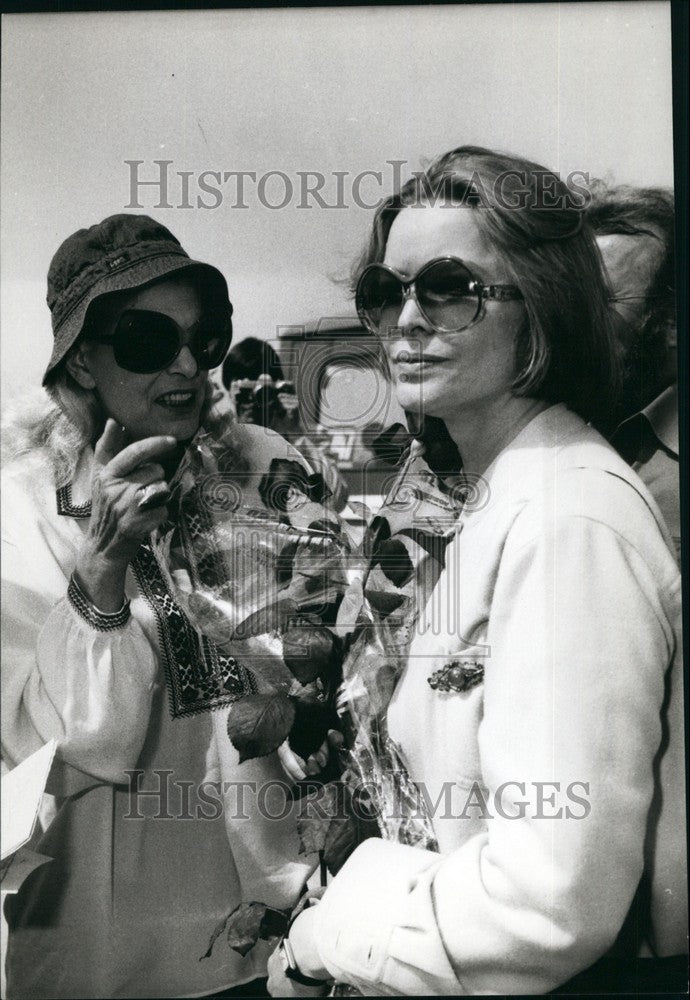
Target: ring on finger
[{"x": 153, "y": 495}]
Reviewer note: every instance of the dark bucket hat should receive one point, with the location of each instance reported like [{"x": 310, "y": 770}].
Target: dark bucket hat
[{"x": 121, "y": 253}]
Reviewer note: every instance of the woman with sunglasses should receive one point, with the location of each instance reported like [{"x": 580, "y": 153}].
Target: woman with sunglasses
[
  {"x": 141, "y": 868},
  {"x": 538, "y": 706}
]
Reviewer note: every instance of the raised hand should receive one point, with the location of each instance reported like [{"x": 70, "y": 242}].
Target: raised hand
[{"x": 126, "y": 480}]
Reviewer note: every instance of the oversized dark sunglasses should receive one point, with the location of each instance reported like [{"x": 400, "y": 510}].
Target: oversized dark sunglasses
[
  {"x": 446, "y": 292},
  {"x": 145, "y": 341}
]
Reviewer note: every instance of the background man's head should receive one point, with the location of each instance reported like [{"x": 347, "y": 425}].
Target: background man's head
[{"x": 634, "y": 229}]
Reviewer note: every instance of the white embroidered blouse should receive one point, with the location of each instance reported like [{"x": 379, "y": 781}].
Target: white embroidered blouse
[{"x": 137, "y": 884}]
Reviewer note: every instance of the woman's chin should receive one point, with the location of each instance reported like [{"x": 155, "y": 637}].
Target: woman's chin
[
  {"x": 414, "y": 399},
  {"x": 409, "y": 396}
]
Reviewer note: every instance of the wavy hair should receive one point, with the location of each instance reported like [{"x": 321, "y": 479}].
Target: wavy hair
[
  {"x": 567, "y": 351},
  {"x": 34, "y": 424}
]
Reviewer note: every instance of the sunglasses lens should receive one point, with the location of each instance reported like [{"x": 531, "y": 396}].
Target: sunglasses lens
[
  {"x": 211, "y": 343},
  {"x": 443, "y": 289},
  {"x": 145, "y": 341},
  {"x": 379, "y": 298},
  {"x": 444, "y": 292}
]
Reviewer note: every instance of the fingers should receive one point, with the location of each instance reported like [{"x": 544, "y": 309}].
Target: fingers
[
  {"x": 336, "y": 740},
  {"x": 292, "y": 764},
  {"x": 150, "y": 516},
  {"x": 114, "y": 448},
  {"x": 317, "y": 761},
  {"x": 140, "y": 453},
  {"x": 146, "y": 474},
  {"x": 111, "y": 442},
  {"x": 299, "y": 769}
]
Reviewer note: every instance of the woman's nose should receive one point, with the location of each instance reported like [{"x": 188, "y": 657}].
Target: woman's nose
[
  {"x": 411, "y": 317},
  {"x": 184, "y": 364}
]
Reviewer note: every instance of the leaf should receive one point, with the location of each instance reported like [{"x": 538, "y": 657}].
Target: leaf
[
  {"x": 308, "y": 649},
  {"x": 270, "y": 674},
  {"x": 348, "y": 832},
  {"x": 248, "y": 923},
  {"x": 285, "y": 561},
  {"x": 395, "y": 562},
  {"x": 432, "y": 543},
  {"x": 340, "y": 842},
  {"x": 336, "y": 821},
  {"x": 244, "y": 926},
  {"x": 258, "y": 723},
  {"x": 360, "y": 510},
  {"x": 217, "y": 931},
  {"x": 271, "y": 618},
  {"x": 378, "y": 531},
  {"x": 315, "y": 815},
  {"x": 383, "y": 601}
]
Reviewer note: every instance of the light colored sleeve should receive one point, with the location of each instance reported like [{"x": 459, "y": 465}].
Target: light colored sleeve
[
  {"x": 62, "y": 679},
  {"x": 579, "y": 644},
  {"x": 260, "y": 821}
]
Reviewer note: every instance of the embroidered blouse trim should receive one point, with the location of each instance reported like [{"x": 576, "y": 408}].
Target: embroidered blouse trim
[{"x": 199, "y": 677}]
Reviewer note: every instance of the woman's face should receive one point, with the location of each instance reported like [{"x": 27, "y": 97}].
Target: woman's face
[
  {"x": 440, "y": 373},
  {"x": 164, "y": 402}
]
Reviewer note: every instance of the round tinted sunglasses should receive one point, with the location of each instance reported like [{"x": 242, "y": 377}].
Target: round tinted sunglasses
[
  {"x": 447, "y": 294},
  {"x": 145, "y": 341}
]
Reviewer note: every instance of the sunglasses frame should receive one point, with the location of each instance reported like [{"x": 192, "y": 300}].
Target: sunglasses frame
[
  {"x": 112, "y": 339},
  {"x": 495, "y": 292}
]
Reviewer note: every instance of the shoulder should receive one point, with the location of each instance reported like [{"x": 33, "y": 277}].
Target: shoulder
[
  {"x": 595, "y": 524},
  {"x": 590, "y": 481},
  {"x": 565, "y": 476},
  {"x": 29, "y": 509},
  {"x": 32, "y": 505},
  {"x": 28, "y": 476}
]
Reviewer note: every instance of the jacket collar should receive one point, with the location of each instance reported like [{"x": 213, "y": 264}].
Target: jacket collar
[
  {"x": 662, "y": 414},
  {"x": 553, "y": 442}
]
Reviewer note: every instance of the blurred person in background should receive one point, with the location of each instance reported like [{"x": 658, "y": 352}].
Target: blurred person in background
[
  {"x": 634, "y": 230},
  {"x": 253, "y": 378}
]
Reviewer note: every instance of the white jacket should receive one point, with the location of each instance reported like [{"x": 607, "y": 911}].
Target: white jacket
[{"x": 564, "y": 586}]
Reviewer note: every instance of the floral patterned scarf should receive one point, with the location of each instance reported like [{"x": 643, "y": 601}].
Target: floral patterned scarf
[{"x": 405, "y": 547}]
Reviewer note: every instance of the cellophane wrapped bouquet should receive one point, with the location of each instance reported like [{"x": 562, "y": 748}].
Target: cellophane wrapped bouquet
[
  {"x": 404, "y": 555},
  {"x": 266, "y": 570},
  {"x": 258, "y": 562}
]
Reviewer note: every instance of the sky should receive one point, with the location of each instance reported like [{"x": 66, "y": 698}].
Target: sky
[{"x": 292, "y": 96}]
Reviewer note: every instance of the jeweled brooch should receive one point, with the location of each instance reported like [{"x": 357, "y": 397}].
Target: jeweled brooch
[{"x": 458, "y": 675}]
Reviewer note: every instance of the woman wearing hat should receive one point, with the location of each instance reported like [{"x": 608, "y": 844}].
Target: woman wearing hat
[{"x": 141, "y": 870}]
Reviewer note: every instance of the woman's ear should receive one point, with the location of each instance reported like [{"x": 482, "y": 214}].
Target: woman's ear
[{"x": 78, "y": 367}]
